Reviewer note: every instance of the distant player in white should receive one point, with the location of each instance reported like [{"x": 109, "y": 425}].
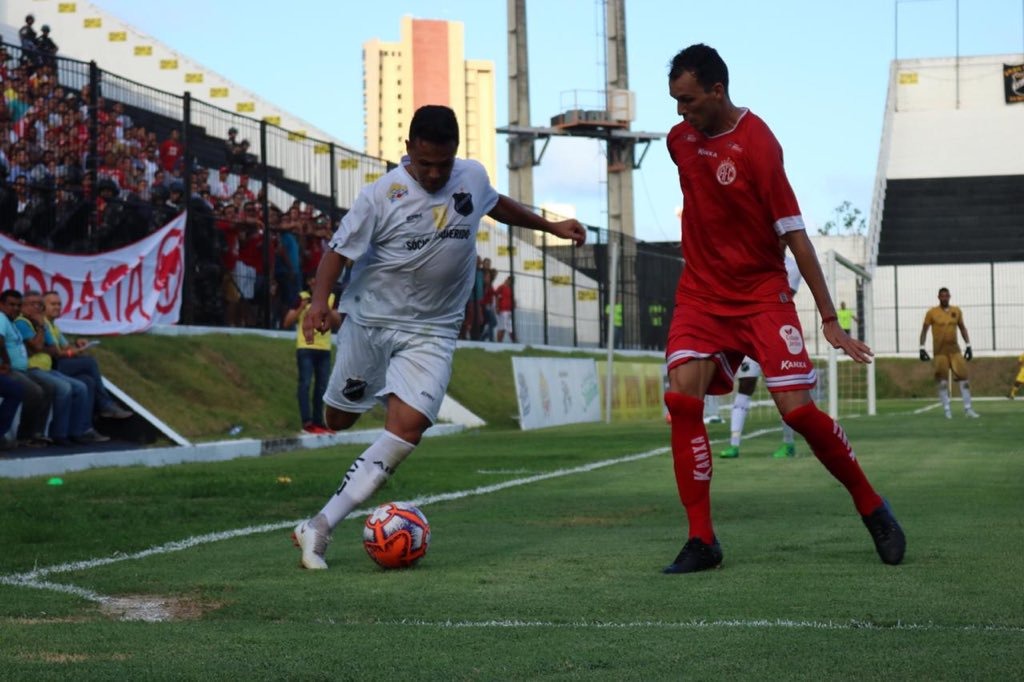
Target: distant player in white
[
  {"x": 747, "y": 377},
  {"x": 411, "y": 236}
]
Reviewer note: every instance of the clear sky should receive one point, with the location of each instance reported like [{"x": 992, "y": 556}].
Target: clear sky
[{"x": 815, "y": 70}]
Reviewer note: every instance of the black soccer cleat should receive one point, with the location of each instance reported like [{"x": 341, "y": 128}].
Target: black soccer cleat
[
  {"x": 696, "y": 555},
  {"x": 890, "y": 542}
]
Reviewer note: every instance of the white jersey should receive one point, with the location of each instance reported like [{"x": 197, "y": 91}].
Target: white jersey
[
  {"x": 793, "y": 273},
  {"x": 414, "y": 253}
]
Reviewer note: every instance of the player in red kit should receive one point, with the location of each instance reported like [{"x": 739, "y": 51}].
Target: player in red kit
[{"x": 733, "y": 299}]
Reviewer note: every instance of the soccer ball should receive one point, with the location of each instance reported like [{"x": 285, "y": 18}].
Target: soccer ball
[{"x": 396, "y": 535}]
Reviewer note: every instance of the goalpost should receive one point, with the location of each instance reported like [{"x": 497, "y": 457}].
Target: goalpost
[
  {"x": 845, "y": 388},
  {"x": 851, "y": 386}
]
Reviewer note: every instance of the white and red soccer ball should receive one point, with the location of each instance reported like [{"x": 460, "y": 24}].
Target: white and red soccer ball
[{"x": 396, "y": 535}]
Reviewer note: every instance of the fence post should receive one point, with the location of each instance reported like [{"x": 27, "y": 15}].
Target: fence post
[
  {"x": 613, "y": 266},
  {"x": 91, "y": 165},
  {"x": 544, "y": 275},
  {"x": 265, "y": 180},
  {"x": 188, "y": 284},
  {"x": 334, "y": 188}
]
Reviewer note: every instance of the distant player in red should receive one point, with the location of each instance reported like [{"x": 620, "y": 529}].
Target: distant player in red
[{"x": 733, "y": 299}]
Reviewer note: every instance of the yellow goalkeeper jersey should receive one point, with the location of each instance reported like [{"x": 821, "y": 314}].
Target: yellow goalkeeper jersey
[{"x": 944, "y": 323}]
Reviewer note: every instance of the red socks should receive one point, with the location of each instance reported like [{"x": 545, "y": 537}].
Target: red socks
[
  {"x": 828, "y": 441},
  {"x": 691, "y": 457}
]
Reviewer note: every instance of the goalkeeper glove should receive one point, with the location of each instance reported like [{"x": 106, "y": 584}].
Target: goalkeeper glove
[
  {"x": 968, "y": 354},
  {"x": 924, "y": 355}
]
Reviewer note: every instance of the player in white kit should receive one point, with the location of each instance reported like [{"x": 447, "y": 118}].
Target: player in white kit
[
  {"x": 746, "y": 379},
  {"x": 411, "y": 237}
]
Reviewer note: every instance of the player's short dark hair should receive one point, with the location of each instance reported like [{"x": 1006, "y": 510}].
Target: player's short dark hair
[
  {"x": 943, "y": 289},
  {"x": 9, "y": 294},
  {"x": 704, "y": 62},
  {"x": 434, "y": 123}
]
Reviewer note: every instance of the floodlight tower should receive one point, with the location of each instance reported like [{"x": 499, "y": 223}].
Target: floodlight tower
[{"x": 610, "y": 124}]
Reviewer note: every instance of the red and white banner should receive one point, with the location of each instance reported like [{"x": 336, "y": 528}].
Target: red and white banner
[{"x": 118, "y": 292}]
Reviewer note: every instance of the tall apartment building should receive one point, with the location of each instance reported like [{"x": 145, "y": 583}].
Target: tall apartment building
[{"x": 428, "y": 66}]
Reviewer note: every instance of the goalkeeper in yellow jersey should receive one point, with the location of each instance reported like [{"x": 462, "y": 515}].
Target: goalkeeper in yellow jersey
[
  {"x": 944, "y": 320},
  {"x": 1019, "y": 381}
]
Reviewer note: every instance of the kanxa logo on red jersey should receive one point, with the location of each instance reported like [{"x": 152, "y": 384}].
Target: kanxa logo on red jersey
[
  {"x": 794, "y": 340},
  {"x": 726, "y": 172}
]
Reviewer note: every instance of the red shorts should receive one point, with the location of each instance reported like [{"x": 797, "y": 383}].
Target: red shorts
[{"x": 773, "y": 338}]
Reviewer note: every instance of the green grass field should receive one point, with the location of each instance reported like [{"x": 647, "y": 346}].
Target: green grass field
[{"x": 545, "y": 564}]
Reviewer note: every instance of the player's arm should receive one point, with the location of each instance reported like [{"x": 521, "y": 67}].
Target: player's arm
[
  {"x": 511, "y": 212},
  {"x": 807, "y": 260},
  {"x": 318, "y": 318},
  {"x": 924, "y": 334},
  {"x": 968, "y": 353}
]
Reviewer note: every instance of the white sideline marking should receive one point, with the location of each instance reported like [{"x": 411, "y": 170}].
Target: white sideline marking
[
  {"x": 704, "y": 624},
  {"x": 33, "y": 579}
]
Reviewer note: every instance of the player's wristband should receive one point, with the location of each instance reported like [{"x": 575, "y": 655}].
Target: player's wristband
[{"x": 826, "y": 320}]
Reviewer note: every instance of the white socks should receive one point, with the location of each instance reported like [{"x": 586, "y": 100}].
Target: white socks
[
  {"x": 944, "y": 394},
  {"x": 965, "y": 393},
  {"x": 740, "y": 405},
  {"x": 367, "y": 474},
  {"x": 787, "y": 433}
]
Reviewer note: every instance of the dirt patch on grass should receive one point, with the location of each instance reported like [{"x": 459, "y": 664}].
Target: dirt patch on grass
[{"x": 155, "y": 608}]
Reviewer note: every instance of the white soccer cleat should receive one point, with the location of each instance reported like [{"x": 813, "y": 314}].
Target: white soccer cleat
[
  {"x": 949, "y": 413},
  {"x": 312, "y": 537},
  {"x": 971, "y": 414}
]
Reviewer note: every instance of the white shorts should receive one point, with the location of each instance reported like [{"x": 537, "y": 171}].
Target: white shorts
[
  {"x": 505, "y": 320},
  {"x": 415, "y": 367},
  {"x": 245, "y": 280},
  {"x": 749, "y": 369}
]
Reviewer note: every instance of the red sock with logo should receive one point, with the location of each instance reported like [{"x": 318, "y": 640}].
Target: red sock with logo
[
  {"x": 828, "y": 441},
  {"x": 691, "y": 458}
]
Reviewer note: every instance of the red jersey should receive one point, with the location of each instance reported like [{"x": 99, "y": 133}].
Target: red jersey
[
  {"x": 505, "y": 299},
  {"x": 170, "y": 152},
  {"x": 737, "y": 202}
]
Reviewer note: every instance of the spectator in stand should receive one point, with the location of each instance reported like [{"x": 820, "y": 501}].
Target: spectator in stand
[
  {"x": 505, "y": 296},
  {"x": 47, "y": 48},
  {"x": 488, "y": 302},
  {"x": 230, "y": 144},
  {"x": 288, "y": 266},
  {"x": 243, "y": 188},
  {"x": 70, "y": 358},
  {"x": 29, "y": 40},
  {"x": 313, "y": 359},
  {"x": 227, "y": 223},
  {"x": 222, "y": 188},
  {"x": 72, "y": 402},
  {"x": 122, "y": 123},
  {"x": 36, "y": 400},
  {"x": 241, "y": 160},
  {"x": 171, "y": 153}
]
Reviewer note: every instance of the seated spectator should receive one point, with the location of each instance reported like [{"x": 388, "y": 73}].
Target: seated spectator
[
  {"x": 72, "y": 402},
  {"x": 70, "y": 359},
  {"x": 11, "y": 395},
  {"x": 36, "y": 400}
]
